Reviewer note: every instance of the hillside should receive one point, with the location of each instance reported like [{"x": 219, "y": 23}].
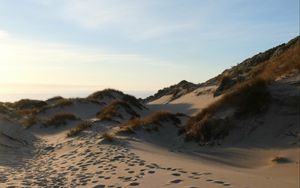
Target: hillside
[
  {"x": 15, "y": 142},
  {"x": 173, "y": 92},
  {"x": 272, "y": 60}
]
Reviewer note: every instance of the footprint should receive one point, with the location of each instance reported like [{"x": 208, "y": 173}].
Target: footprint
[
  {"x": 219, "y": 182},
  {"x": 134, "y": 184},
  {"x": 176, "y": 174},
  {"x": 176, "y": 181},
  {"x": 194, "y": 177},
  {"x": 99, "y": 186}
]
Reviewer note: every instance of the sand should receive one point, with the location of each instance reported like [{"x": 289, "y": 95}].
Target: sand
[
  {"x": 89, "y": 161},
  {"x": 155, "y": 159},
  {"x": 191, "y": 103}
]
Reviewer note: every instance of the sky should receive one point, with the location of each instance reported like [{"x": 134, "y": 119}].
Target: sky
[{"x": 75, "y": 47}]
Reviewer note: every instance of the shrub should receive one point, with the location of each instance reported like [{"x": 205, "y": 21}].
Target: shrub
[
  {"x": 60, "y": 119},
  {"x": 79, "y": 128}
]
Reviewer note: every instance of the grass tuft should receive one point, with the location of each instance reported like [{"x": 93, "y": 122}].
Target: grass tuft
[
  {"x": 29, "y": 122},
  {"x": 154, "y": 119},
  {"x": 109, "y": 137},
  {"x": 79, "y": 128}
]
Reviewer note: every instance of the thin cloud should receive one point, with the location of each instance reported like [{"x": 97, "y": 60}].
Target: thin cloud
[
  {"x": 35, "y": 61},
  {"x": 4, "y": 34},
  {"x": 137, "y": 20}
]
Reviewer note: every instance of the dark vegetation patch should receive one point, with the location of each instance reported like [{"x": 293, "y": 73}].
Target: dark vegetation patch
[
  {"x": 105, "y": 93},
  {"x": 29, "y": 122},
  {"x": 175, "y": 91},
  {"x": 60, "y": 119},
  {"x": 116, "y": 95},
  {"x": 79, "y": 128},
  {"x": 59, "y": 103},
  {"x": 281, "y": 160},
  {"x": 54, "y": 99},
  {"x": 269, "y": 65},
  {"x": 114, "y": 110},
  {"x": 109, "y": 137},
  {"x": 150, "y": 123},
  {"x": 248, "y": 98},
  {"x": 28, "y": 104}
]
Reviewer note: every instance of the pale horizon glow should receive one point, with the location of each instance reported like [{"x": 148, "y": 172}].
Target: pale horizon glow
[{"x": 73, "y": 47}]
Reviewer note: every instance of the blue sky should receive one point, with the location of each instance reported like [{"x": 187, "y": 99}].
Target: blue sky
[{"x": 77, "y": 46}]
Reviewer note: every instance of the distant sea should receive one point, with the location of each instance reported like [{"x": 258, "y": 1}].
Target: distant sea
[{"x": 15, "y": 96}]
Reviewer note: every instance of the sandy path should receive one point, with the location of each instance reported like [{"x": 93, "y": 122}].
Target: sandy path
[{"x": 88, "y": 161}]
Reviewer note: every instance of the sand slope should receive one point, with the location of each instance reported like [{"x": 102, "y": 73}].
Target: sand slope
[
  {"x": 16, "y": 143},
  {"x": 190, "y": 103}
]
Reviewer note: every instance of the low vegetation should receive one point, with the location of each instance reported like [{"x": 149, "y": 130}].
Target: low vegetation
[
  {"x": 109, "y": 137},
  {"x": 63, "y": 102},
  {"x": 279, "y": 66},
  {"x": 60, "y": 119},
  {"x": 54, "y": 99},
  {"x": 59, "y": 103},
  {"x": 105, "y": 93},
  {"x": 248, "y": 98},
  {"x": 28, "y": 104},
  {"x": 114, "y": 110},
  {"x": 117, "y": 95},
  {"x": 79, "y": 128},
  {"x": 27, "y": 107},
  {"x": 280, "y": 160},
  {"x": 278, "y": 62},
  {"x": 28, "y": 112},
  {"x": 244, "y": 90},
  {"x": 133, "y": 101},
  {"x": 29, "y": 122},
  {"x": 154, "y": 119}
]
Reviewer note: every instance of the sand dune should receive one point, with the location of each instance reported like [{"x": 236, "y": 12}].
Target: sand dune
[
  {"x": 122, "y": 142},
  {"x": 160, "y": 158}
]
